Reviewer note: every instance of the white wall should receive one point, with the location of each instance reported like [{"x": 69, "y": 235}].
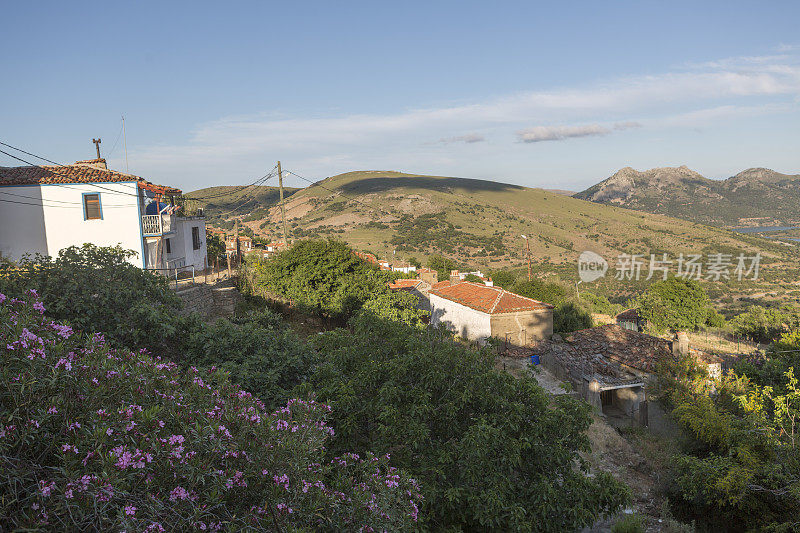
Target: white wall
[
  {"x": 21, "y": 225},
  {"x": 184, "y": 231},
  {"x": 57, "y": 221},
  {"x": 462, "y": 320}
]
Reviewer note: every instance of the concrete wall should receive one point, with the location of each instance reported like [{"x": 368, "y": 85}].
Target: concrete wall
[
  {"x": 57, "y": 220},
  {"x": 524, "y": 327},
  {"x": 460, "y": 319}
]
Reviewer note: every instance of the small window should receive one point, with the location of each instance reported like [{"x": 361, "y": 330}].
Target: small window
[
  {"x": 91, "y": 207},
  {"x": 196, "y": 237},
  {"x": 169, "y": 248}
]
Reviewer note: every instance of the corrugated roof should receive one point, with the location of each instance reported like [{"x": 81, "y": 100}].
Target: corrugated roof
[{"x": 490, "y": 300}]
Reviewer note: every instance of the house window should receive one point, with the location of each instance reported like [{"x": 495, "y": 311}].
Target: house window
[
  {"x": 196, "y": 237},
  {"x": 91, "y": 207},
  {"x": 169, "y": 248}
]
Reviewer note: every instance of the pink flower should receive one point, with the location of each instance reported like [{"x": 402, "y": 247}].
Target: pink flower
[{"x": 130, "y": 510}]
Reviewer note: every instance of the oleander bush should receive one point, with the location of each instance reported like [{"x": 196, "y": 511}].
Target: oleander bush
[{"x": 97, "y": 438}]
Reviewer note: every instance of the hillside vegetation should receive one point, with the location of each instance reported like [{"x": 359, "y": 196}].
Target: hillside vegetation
[
  {"x": 754, "y": 197},
  {"x": 480, "y": 221}
]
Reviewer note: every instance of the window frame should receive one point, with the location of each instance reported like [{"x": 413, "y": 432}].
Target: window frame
[
  {"x": 99, "y": 206},
  {"x": 196, "y": 243},
  {"x": 168, "y": 246}
]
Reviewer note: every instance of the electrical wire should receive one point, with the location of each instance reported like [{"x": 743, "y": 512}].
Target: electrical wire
[
  {"x": 318, "y": 184},
  {"x": 60, "y": 201},
  {"x": 270, "y": 174}
]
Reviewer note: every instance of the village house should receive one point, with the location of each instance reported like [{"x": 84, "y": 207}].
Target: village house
[
  {"x": 48, "y": 208},
  {"x": 476, "y": 312},
  {"x": 630, "y": 319},
  {"x": 610, "y": 366}
]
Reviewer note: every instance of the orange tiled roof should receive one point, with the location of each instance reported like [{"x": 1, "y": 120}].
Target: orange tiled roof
[
  {"x": 80, "y": 172},
  {"x": 490, "y": 300},
  {"x": 404, "y": 283}
]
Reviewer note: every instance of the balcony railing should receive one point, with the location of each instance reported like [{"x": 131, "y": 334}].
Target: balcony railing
[{"x": 153, "y": 225}]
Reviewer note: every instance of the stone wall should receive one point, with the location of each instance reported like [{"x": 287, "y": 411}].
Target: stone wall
[{"x": 210, "y": 301}]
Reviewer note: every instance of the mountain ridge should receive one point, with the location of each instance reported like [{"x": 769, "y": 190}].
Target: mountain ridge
[{"x": 756, "y": 193}]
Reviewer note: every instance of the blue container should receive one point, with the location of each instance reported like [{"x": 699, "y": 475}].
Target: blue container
[{"x": 535, "y": 360}]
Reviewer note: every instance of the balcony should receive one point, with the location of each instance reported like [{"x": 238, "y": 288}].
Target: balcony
[{"x": 157, "y": 225}]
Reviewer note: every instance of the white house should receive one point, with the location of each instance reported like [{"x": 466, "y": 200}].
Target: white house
[
  {"x": 46, "y": 209},
  {"x": 476, "y": 312}
]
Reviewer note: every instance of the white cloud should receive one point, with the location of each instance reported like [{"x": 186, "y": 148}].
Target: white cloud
[
  {"x": 558, "y": 133},
  {"x": 468, "y": 138},
  {"x": 745, "y": 85}
]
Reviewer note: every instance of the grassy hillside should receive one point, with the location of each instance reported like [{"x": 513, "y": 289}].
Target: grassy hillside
[
  {"x": 224, "y": 203},
  {"x": 479, "y": 223}
]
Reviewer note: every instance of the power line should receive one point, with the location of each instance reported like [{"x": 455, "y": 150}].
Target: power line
[
  {"x": 318, "y": 184},
  {"x": 115, "y": 142},
  {"x": 270, "y": 174},
  {"x": 58, "y": 201}
]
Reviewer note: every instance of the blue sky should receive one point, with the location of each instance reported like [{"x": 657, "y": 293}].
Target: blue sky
[{"x": 556, "y": 95}]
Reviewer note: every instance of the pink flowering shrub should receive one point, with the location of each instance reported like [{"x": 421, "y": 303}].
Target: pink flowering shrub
[{"x": 94, "y": 438}]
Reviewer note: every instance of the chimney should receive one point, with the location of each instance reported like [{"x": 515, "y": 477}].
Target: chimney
[
  {"x": 680, "y": 343},
  {"x": 454, "y": 277}
]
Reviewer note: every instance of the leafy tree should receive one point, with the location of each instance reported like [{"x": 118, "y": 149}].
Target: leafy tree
[
  {"x": 415, "y": 262},
  {"x": 96, "y": 289},
  {"x": 215, "y": 247},
  {"x": 442, "y": 265},
  {"x": 674, "y": 303},
  {"x": 326, "y": 277},
  {"x": 492, "y": 452},
  {"x": 503, "y": 278},
  {"x": 568, "y": 317},
  {"x": 763, "y": 324},
  {"x": 473, "y": 278},
  {"x": 543, "y": 291}
]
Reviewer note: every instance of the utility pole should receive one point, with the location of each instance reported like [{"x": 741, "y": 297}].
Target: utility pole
[
  {"x": 283, "y": 206},
  {"x": 528, "y": 247},
  {"x": 125, "y": 144},
  {"x": 238, "y": 251}
]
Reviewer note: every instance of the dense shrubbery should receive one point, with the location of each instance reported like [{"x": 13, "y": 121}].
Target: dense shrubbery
[
  {"x": 325, "y": 277},
  {"x": 741, "y": 470},
  {"x": 95, "y": 438},
  {"x": 260, "y": 353},
  {"x": 491, "y": 451},
  {"x": 763, "y": 324},
  {"x": 96, "y": 289}
]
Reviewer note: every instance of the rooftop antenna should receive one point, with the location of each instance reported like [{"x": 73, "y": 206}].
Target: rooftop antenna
[
  {"x": 125, "y": 144},
  {"x": 97, "y": 146}
]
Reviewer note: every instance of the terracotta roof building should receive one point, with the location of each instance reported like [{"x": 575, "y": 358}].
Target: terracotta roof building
[{"x": 476, "y": 311}]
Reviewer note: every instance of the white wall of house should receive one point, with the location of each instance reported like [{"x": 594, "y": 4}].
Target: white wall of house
[
  {"x": 196, "y": 258},
  {"x": 57, "y": 221},
  {"x": 462, "y": 320}
]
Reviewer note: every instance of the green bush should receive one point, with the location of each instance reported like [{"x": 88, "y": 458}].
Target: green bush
[
  {"x": 543, "y": 291},
  {"x": 259, "y": 352},
  {"x": 96, "y": 289},
  {"x": 569, "y": 317},
  {"x": 492, "y": 452},
  {"x": 99, "y": 439},
  {"x": 629, "y": 524}
]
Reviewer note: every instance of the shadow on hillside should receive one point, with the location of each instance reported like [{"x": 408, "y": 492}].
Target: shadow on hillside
[{"x": 372, "y": 185}]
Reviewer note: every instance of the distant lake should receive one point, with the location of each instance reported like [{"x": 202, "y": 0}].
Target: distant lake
[{"x": 763, "y": 229}]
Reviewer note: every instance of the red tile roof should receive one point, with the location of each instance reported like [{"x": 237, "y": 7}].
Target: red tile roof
[
  {"x": 404, "y": 283},
  {"x": 80, "y": 172},
  {"x": 490, "y": 300}
]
